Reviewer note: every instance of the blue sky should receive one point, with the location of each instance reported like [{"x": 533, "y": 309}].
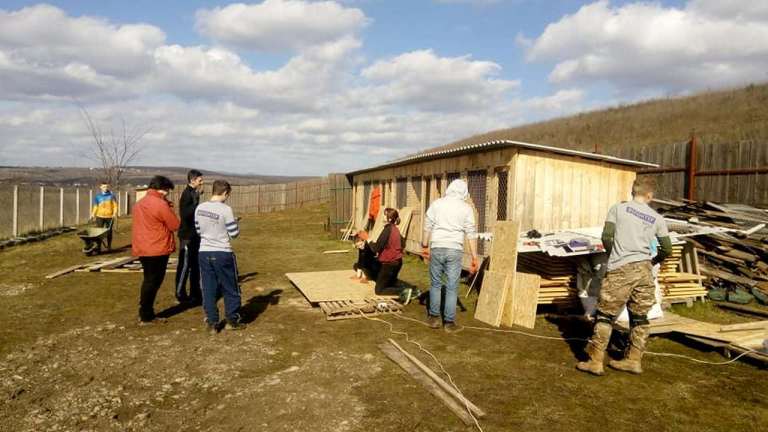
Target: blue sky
[{"x": 309, "y": 87}]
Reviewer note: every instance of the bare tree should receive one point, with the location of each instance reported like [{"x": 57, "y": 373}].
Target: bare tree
[{"x": 113, "y": 151}]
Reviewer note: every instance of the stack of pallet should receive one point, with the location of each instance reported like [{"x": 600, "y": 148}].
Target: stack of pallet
[
  {"x": 558, "y": 277},
  {"x": 679, "y": 285},
  {"x": 346, "y": 309}
]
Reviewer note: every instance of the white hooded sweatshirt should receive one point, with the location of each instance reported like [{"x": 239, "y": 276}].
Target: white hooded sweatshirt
[{"x": 450, "y": 218}]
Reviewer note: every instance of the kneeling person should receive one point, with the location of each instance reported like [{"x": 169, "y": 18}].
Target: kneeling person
[{"x": 216, "y": 225}]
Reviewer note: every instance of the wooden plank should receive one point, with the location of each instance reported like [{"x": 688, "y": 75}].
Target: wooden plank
[
  {"x": 401, "y": 360},
  {"x": 119, "y": 262},
  {"x": 504, "y": 246},
  {"x": 332, "y": 286},
  {"x": 440, "y": 382},
  {"x": 755, "y": 325},
  {"x": 62, "y": 272},
  {"x": 521, "y": 300},
  {"x": 490, "y": 302}
]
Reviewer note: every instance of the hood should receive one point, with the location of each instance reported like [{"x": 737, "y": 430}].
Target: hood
[{"x": 457, "y": 189}]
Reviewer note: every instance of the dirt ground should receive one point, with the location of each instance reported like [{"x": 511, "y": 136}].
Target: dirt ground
[{"x": 72, "y": 357}]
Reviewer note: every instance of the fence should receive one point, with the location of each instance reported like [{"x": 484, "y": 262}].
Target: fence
[
  {"x": 732, "y": 172},
  {"x": 27, "y": 208},
  {"x": 339, "y": 203}
]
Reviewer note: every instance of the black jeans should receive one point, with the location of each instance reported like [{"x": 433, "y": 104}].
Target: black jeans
[
  {"x": 188, "y": 268},
  {"x": 154, "y": 273},
  {"x": 103, "y": 223},
  {"x": 387, "y": 277},
  {"x": 367, "y": 262}
]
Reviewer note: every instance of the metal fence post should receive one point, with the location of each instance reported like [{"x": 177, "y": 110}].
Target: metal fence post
[
  {"x": 77, "y": 206},
  {"x": 15, "y": 211},
  {"x": 90, "y": 203},
  {"x": 42, "y": 207}
]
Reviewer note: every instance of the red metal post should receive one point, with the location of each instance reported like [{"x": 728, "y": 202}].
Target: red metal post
[{"x": 693, "y": 155}]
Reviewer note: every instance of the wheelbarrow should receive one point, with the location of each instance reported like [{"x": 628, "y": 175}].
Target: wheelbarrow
[{"x": 94, "y": 239}]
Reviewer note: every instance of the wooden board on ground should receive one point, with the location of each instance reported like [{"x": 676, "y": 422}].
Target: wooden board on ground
[
  {"x": 64, "y": 271},
  {"x": 492, "y": 298},
  {"x": 521, "y": 300},
  {"x": 333, "y": 286},
  {"x": 401, "y": 360},
  {"x": 504, "y": 246}
]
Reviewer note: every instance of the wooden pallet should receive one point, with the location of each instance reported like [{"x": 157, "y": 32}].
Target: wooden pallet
[{"x": 351, "y": 309}]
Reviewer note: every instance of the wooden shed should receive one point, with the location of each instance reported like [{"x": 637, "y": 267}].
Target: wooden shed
[{"x": 545, "y": 188}]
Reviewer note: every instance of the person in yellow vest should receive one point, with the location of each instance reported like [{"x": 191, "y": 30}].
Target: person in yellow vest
[{"x": 105, "y": 210}]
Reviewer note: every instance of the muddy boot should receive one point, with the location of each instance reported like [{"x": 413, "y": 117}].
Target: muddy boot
[
  {"x": 631, "y": 362},
  {"x": 596, "y": 349}
]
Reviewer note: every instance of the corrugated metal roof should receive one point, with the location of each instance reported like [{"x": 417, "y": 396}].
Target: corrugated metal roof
[{"x": 492, "y": 145}]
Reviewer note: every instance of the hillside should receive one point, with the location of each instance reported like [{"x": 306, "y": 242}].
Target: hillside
[
  {"x": 722, "y": 116},
  {"x": 140, "y": 175}
]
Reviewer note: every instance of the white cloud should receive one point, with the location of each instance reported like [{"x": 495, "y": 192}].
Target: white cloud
[
  {"x": 424, "y": 80},
  {"x": 279, "y": 25},
  {"x": 648, "y": 46}
]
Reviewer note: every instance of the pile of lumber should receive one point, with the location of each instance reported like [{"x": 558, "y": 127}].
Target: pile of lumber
[
  {"x": 558, "y": 277},
  {"x": 677, "y": 285},
  {"x": 733, "y": 260}
]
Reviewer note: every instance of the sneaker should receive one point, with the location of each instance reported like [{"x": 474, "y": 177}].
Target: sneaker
[
  {"x": 452, "y": 327},
  {"x": 211, "y": 329},
  {"x": 434, "y": 322},
  {"x": 232, "y": 325}
]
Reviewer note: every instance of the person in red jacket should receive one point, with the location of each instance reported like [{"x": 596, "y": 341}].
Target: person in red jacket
[
  {"x": 152, "y": 241},
  {"x": 389, "y": 252}
]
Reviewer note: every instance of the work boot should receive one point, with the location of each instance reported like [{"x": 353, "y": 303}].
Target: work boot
[
  {"x": 452, "y": 327},
  {"x": 434, "y": 322},
  {"x": 631, "y": 363},
  {"x": 596, "y": 349},
  {"x": 638, "y": 337}
]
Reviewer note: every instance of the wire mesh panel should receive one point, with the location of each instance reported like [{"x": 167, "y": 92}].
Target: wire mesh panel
[
  {"x": 401, "y": 194},
  {"x": 501, "y": 199},
  {"x": 6, "y": 211},
  {"x": 438, "y": 186},
  {"x": 477, "y": 192}
]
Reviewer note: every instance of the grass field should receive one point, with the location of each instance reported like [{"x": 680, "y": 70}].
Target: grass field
[{"x": 72, "y": 357}]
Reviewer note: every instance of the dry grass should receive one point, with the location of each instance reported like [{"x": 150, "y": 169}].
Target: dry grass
[
  {"x": 718, "y": 116},
  {"x": 73, "y": 358}
]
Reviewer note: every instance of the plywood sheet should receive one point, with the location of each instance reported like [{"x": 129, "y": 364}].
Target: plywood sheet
[
  {"x": 490, "y": 302},
  {"x": 333, "y": 286},
  {"x": 504, "y": 246},
  {"x": 521, "y": 300}
]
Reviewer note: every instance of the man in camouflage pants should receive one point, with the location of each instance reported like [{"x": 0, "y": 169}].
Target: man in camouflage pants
[{"x": 629, "y": 230}]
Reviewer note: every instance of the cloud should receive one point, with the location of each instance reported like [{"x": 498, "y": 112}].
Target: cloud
[
  {"x": 280, "y": 25},
  {"x": 641, "y": 46},
  {"x": 424, "y": 80}
]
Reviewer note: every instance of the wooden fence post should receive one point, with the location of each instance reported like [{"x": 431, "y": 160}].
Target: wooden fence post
[
  {"x": 61, "y": 207},
  {"x": 690, "y": 171},
  {"x": 90, "y": 202},
  {"x": 15, "y": 211},
  {"x": 42, "y": 207},
  {"x": 77, "y": 206}
]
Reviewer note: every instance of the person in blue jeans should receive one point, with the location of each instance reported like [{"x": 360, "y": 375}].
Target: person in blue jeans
[
  {"x": 448, "y": 221},
  {"x": 216, "y": 225}
]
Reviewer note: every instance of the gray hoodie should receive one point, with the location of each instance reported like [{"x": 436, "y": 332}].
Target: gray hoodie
[{"x": 451, "y": 218}]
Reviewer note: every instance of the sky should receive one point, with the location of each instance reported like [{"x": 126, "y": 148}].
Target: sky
[{"x": 300, "y": 87}]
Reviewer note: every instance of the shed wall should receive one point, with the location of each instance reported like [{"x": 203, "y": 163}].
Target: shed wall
[{"x": 545, "y": 191}]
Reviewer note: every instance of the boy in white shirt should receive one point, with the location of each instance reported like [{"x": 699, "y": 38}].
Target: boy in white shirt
[{"x": 216, "y": 225}]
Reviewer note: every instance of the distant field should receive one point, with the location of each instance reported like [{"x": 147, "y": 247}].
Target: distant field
[{"x": 70, "y": 176}]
